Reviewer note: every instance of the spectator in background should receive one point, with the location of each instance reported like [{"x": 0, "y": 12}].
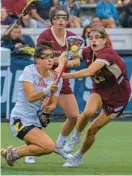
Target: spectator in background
[
  {"x": 75, "y": 8},
  {"x": 14, "y": 7},
  {"x": 96, "y": 22},
  {"x": 4, "y": 17},
  {"x": 28, "y": 22},
  {"x": 74, "y": 22},
  {"x": 85, "y": 34},
  {"x": 40, "y": 12},
  {"x": 16, "y": 40},
  {"x": 107, "y": 12},
  {"x": 125, "y": 18}
]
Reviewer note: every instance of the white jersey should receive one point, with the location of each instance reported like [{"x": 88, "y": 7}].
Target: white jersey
[{"x": 24, "y": 110}]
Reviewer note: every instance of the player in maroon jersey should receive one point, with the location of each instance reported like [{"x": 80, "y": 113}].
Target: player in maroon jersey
[
  {"x": 111, "y": 90},
  {"x": 57, "y": 34}
]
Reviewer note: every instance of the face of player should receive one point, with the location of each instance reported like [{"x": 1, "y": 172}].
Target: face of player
[
  {"x": 16, "y": 33},
  {"x": 46, "y": 60},
  {"x": 96, "y": 41},
  {"x": 60, "y": 20}
]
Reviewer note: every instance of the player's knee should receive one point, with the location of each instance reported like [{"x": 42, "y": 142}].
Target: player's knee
[
  {"x": 92, "y": 130},
  {"x": 74, "y": 118},
  {"x": 49, "y": 148},
  {"x": 89, "y": 113}
]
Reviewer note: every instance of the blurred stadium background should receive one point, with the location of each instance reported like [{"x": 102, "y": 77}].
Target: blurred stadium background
[{"x": 111, "y": 154}]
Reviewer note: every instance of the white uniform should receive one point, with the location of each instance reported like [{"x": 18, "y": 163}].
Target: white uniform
[{"x": 24, "y": 110}]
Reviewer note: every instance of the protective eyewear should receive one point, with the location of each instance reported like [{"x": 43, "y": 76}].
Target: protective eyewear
[
  {"x": 47, "y": 56},
  {"x": 61, "y": 16}
]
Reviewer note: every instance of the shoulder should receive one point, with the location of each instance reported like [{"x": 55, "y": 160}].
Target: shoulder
[
  {"x": 29, "y": 68},
  {"x": 86, "y": 51},
  {"x": 69, "y": 33},
  {"x": 106, "y": 52},
  {"x": 47, "y": 31}
]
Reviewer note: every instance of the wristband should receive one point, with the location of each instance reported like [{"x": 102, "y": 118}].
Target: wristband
[{"x": 46, "y": 91}]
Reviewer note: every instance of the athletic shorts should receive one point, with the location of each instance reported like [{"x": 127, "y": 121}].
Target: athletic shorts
[{"x": 19, "y": 130}]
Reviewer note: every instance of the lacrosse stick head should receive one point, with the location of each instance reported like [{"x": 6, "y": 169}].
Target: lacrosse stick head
[{"x": 74, "y": 44}]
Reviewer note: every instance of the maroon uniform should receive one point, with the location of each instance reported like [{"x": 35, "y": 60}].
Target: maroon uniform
[
  {"x": 48, "y": 35},
  {"x": 111, "y": 82}
]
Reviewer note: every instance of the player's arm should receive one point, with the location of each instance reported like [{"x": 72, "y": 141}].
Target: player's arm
[
  {"x": 54, "y": 100},
  {"x": 32, "y": 95},
  {"x": 51, "y": 106},
  {"x": 36, "y": 16},
  {"x": 90, "y": 71}
]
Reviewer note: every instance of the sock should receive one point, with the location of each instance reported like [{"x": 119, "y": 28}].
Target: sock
[
  {"x": 78, "y": 154},
  {"x": 76, "y": 134},
  {"x": 61, "y": 140}
]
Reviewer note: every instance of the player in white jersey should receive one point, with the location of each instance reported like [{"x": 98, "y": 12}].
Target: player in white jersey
[{"x": 35, "y": 84}]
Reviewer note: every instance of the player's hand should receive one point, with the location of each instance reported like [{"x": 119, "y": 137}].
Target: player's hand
[
  {"x": 66, "y": 75},
  {"x": 50, "y": 89},
  {"x": 18, "y": 45},
  {"x": 53, "y": 88},
  {"x": 48, "y": 108}
]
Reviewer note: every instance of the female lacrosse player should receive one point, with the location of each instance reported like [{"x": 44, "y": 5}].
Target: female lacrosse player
[
  {"x": 35, "y": 84},
  {"x": 111, "y": 90},
  {"x": 57, "y": 34}
]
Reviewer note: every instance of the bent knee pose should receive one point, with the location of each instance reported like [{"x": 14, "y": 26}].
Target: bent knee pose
[
  {"x": 35, "y": 84},
  {"x": 111, "y": 90},
  {"x": 57, "y": 34}
]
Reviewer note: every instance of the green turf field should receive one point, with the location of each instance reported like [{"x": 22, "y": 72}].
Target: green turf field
[{"x": 110, "y": 155}]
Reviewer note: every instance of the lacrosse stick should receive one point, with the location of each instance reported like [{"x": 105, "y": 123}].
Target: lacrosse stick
[
  {"x": 74, "y": 44},
  {"x": 24, "y": 12}
]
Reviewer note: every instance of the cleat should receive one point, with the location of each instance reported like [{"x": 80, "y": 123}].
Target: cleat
[
  {"x": 29, "y": 160},
  {"x": 60, "y": 151},
  {"x": 73, "y": 162},
  {"x": 69, "y": 146},
  {"x": 3, "y": 152},
  {"x": 7, "y": 153}
]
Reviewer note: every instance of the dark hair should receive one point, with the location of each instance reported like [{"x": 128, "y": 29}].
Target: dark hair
[
  {"x": 40, "y": 47},
  {"x": 101, "y": 30},
  {"x": 7, "y": 36},
  {"x": 85, "y": 29},
  {"x": 54, "y": 10}
]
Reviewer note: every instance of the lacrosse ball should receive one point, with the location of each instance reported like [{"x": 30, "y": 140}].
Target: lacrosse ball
[{"x": 74, "y": 48}]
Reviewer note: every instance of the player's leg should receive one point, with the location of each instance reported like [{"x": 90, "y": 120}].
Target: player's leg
[
  {"x": 40, "y": 144},
  {"x": 95, "y": 126},
  {"x": 94, "y": 102},
  {"x": 68, "y": 104}
]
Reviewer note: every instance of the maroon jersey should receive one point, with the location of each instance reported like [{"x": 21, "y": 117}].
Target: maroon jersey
[
  {"x": 48, "y": 35},
  {"x": 111, "y": 81}
]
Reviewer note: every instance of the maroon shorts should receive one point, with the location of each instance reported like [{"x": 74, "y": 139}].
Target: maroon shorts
[
  {"x": 66, "y": 89},
  {"x": 114, "y": 99}
]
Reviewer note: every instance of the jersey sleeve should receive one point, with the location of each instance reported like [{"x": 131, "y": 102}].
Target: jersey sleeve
[
  {"x": 27, "y": 75},
  {"x": 44, "y": 36},
  {"x": 57, "y": 93},
  {"x": 106, "y": 56}
]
